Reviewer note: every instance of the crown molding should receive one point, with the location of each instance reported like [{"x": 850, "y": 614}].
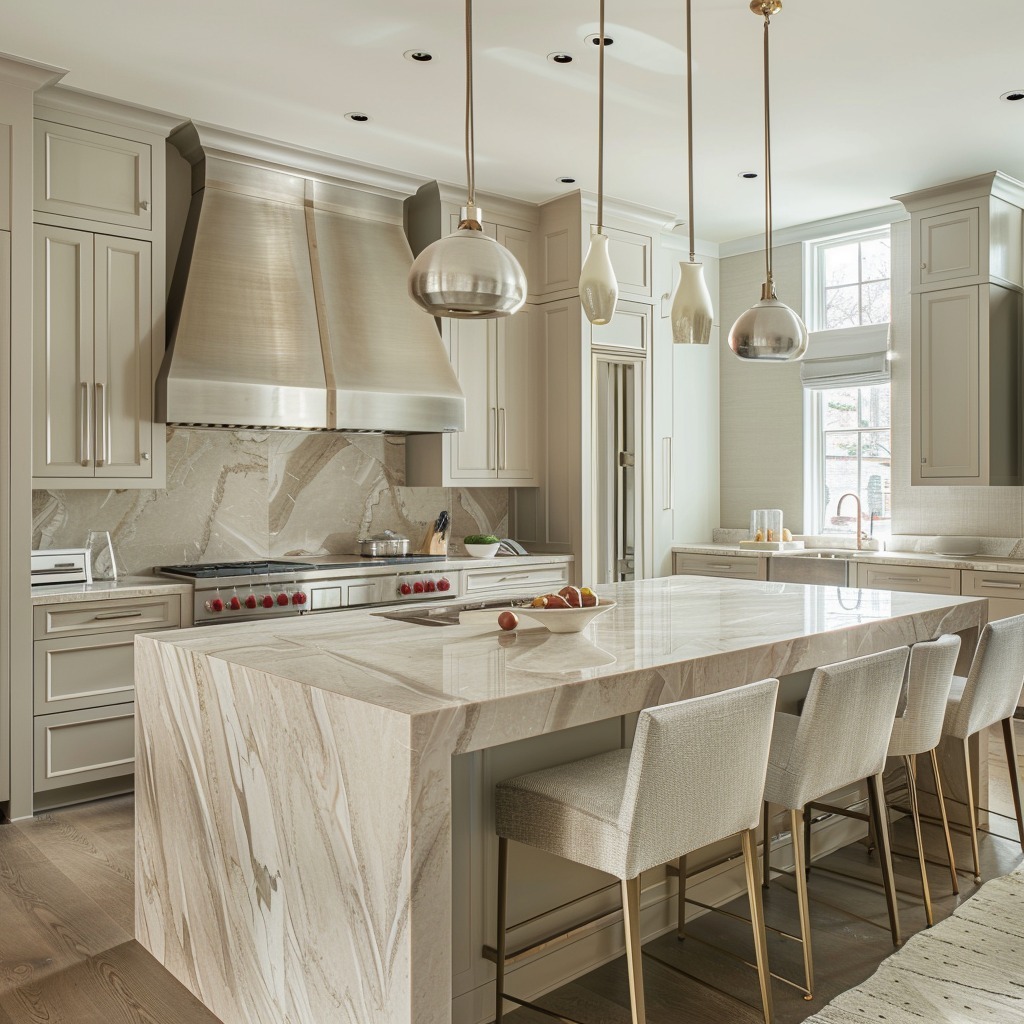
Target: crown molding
[
  {"x": 28, "y": 74},
  {"x": 491, "y": 203},
  {"x": 815, "y": 230},
  {"x": 673, "y": 241},
  {"x": 64, "y": 99},
  {"x": 993, "y": 183}
]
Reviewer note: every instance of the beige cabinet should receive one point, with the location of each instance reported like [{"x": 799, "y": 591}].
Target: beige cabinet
[
  {"x": 736, "y": 567},
  {"x": 1004, "y": 590},
  {"x": 915, "y": 579},
  {"x": 84, "y": 686},
  {"x": 88, "y": 175},
  {"x": 498, "y": 366},
  {"x": 94, "y": 358},
  {"x": 515, "y": 579}
]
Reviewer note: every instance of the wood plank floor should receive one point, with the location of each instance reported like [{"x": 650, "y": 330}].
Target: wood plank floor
[{"x": 67, "y": 955}]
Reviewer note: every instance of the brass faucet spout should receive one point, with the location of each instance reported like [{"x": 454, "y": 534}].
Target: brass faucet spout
[{"x": 839, "y": 505}]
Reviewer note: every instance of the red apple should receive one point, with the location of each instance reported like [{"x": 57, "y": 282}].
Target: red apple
[{"x": 508, "y": 620}]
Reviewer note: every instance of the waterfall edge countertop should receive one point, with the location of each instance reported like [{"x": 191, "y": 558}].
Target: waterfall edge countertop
[
  {"x": 981, "y": 563},
  {"x": 128, "y": 587},
  {"x": 293, "y": 779}
]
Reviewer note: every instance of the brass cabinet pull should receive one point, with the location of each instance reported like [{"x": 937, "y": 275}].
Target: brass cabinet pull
[
  {"x": 102, "y": 426},
  {"x": 492, "y": 431},
  {"x": 503, "y": 446},
  {"x": 137, "y": 614},
  {"x": 1000, "y": 585}
]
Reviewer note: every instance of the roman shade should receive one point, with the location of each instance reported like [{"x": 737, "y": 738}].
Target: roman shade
[{"x": 850, "y": 357}]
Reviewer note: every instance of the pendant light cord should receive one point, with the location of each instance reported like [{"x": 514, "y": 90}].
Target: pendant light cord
[
  {"x": 689, "y": 129},
  {"x": 470, "y": 139},
  {"x": 600, "y": 124},
  {"x": 767, "y": 162}
]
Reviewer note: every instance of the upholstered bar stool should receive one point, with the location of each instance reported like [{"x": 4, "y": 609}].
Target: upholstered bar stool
[
  {"x": 989, "y": 694},
  {"x": 918, "y": 731},
  {"x": 694, "y": 775},
  {"x": 840, "y": 739}
]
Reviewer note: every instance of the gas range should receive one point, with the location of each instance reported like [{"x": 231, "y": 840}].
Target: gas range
[{"x": 247, "y": 591}]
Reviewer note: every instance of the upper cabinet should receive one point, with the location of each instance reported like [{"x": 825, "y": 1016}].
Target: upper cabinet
[
  {"x": 966, "y": 354},
  {"x": 92, "y": 176},
  {"x": 100, "y": 285}
]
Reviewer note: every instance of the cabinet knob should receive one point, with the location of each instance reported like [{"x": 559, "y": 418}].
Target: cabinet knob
[
  {"x": 924, "y": 266},
  {"x": 145, "y": 456},
  {"x": 924, "y": 461},
  {"x": 143, "y": 204}
]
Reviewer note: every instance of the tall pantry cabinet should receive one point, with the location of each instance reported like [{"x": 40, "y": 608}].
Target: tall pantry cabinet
[{"x": 99, "y": 290}]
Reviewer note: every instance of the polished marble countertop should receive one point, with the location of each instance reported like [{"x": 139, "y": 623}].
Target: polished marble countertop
[
  {"x": 129, "y": 587},
  {"x": 979, "y": 562}
]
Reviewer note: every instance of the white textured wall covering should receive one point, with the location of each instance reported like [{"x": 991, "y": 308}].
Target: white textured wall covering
[
  {"x": 970, "y": 511},
  {"x": 762, "y": 408}
]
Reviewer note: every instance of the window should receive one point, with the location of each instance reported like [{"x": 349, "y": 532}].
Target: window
[{"x": 848, "y": 428}]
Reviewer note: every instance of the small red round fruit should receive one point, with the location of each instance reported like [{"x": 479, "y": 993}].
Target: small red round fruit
[{"x": 508, "y": 620}]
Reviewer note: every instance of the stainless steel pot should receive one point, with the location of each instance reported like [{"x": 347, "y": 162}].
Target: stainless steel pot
[{"x": 384, "y": 545}]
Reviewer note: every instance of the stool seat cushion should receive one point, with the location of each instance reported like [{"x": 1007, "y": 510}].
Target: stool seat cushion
[{"x": 571, "y": 810}]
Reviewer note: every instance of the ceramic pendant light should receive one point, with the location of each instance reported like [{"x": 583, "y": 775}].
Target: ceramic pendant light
[
  {"x": 599, "y": 291},
  {"x": 769, "y": 330},
  {"x": 692, "y": 313},
  {"x": 468, "y": 275}
]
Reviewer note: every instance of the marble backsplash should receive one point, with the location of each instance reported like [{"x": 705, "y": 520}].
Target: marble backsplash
[{"x": 242, "y": 494}]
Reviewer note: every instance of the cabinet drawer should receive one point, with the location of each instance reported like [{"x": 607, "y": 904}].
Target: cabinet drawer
[
  {"x": 84, "y": 746},
  {"x": 737, "y": 567},
  {"x": 71, "y": 673},
  {"x": 1004, "y": 586},
  {"x": 912, "y": 578},
  {"x": 92, "y": 176},
  {"x": 139, "y": 615},
  {"x": 541, "y": 579}
]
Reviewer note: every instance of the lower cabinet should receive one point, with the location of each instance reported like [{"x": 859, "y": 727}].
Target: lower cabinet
[
  {"x": 736, "y": 567},
  {"x": 83, "y": 671},
  {"x": 913, "y": 578},
  {"x": 1004, "y": 590},
  {"x": 515, "y": 580}
]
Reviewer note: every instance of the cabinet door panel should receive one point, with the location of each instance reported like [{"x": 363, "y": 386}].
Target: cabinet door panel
[
  {"x": 950, "y": 246},
  {"x": 96, "y": 177},
  {"x": 948, "y": 379},
  {"x": 84, "y": 746},
  {"x": 83, "y": 673},
  {"x": 124, "y": 358},
  {"x": 518, "y": 393},
  {"x": 911, "y": 578},
  {"x": 62, "y": 372},
  {"x": 473, "y": 352}
]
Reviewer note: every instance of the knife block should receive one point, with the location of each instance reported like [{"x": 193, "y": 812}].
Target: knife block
[{"x": 434, "y": 543}]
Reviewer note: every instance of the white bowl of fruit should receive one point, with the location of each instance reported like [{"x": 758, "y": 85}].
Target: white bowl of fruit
[{"x": 571, "y": 610}]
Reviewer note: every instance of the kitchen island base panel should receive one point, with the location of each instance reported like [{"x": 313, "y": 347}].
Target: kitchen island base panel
[{"x": 294, "y": 785}]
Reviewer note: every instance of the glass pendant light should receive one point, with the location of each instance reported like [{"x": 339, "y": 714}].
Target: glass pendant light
[
  {"x": 467, "y": 274},
  {"x": 769, "y": 330},
  {"x": 599, "y": 291},
  {"x": 692, "y": 313}
]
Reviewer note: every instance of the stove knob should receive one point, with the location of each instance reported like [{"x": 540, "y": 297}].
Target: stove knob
[
  {"x": 282, "y": 598},
  {"x": 405, "y": 589},
  {"x": 431, "y": 586},
  {"x": 234, "y": 604},
  {"x": 444, "y": 584},
  {"x": 299, "y": 598},
  {"x": 250, "y": 601},
  {"x": 417, "y": 587},
  {"x": 216, "y": 605},
  {"x": 268, "y": 600}
]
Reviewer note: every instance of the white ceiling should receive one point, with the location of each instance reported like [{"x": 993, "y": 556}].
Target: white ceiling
[{"x": 869, "y": 99}]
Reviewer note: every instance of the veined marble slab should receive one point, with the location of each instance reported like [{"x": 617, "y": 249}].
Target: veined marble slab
[
  {"x": 130, "y": 586},
  {"x": 293, "y": 779}
]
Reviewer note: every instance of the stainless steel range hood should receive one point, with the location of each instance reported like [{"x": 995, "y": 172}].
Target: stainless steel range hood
[{"x": 288, "y": 308}]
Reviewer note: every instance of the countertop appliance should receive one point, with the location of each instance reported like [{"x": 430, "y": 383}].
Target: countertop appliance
[
  {"x": 60, "y": 565},
  {"x": 246, "y": 591}
]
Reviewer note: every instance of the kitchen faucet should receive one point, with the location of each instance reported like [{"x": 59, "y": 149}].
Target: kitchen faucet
[{"x": 839, "y": 505}]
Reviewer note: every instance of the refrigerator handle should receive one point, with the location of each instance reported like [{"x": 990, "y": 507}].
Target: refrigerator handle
[{"x": 667, "y": 498}]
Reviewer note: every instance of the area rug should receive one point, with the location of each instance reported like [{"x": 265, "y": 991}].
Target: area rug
[{"x": 968, "y": 969}]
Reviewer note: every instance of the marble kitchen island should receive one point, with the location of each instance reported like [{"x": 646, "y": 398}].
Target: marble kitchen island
[{"x": 294, "y": 779}]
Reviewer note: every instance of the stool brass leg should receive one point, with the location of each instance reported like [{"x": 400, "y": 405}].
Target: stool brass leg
[
  {"x": 499, "y": 984},
  {"x": 631, "y": 921},
  {"x": 749, "y": 841},
  {"x": 807, "y": 840},
  {"x": 681, "y": 924},
  {"x": 916, "y": 813},
  {"x": 945, "y": 821},
  {"x": 766, "y": 853},
  {"x": 880, "y": 813},
  {"x": 971, "y": 813},
  {"x": 1011, "y": 760},
  {"x": 802, "y": 899}
]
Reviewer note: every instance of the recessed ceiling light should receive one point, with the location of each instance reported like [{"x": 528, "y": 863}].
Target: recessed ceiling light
[
  {"x": 747, "y": 174},
  {"x": 560, "y": 58},
  {"x": 420, "y": 56},
  {"x": 355, "y": 115},
  {"x": 595, "y": 39},
  {"x": 1013, "y": 96},
  {"x": 564, "y": 179}
]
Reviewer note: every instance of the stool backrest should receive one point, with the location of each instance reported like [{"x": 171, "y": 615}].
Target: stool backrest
[
  {"x": 930, "y": 678},
  {"x": 994, "y": 682},
  {"x": 845, "y": 724},
  {"x": 696, "y": 773}
]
